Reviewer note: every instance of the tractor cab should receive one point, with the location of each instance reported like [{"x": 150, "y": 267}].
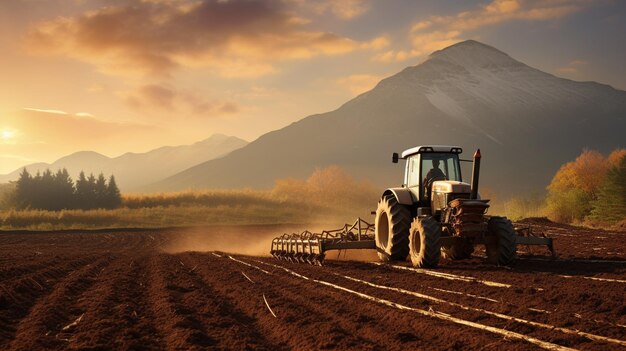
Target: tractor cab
[{"x": 433, "y": 176}]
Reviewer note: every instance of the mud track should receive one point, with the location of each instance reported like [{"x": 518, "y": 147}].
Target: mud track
[{"x": 176, "y": 289}]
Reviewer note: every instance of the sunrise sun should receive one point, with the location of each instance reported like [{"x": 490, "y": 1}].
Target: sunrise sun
[{"x": 7, "y": 135}]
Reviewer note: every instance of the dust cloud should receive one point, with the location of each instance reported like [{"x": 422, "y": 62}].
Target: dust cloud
[
  {"x": 253, "y": 240},
  {"x": 246, "y": 240}
]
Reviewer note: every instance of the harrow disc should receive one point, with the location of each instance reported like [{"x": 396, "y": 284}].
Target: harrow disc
[{"x": 309, "y": 247}]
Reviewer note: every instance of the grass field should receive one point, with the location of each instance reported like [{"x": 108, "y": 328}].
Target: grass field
[
  {"x": 186, "y": 209},
  {"x": 328, "y": 195}
]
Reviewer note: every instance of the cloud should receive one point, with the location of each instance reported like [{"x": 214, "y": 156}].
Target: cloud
[
  {"x": 53, "y": 126},
  {"x": 343, "y": 9},
  {"x": 155, "y": 97},
  {"x": 57, "y": 112},
  {"x": 437, "y": 32},
  {"x": 236, "y": 38},
  {"x": 573, "y": 67},
  {"x": 347, "y": 9},
  {"x": 359, "y": 83}
]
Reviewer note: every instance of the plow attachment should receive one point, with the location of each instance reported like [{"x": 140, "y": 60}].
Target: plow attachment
[
  {"x": 310, "y": 247},
  {"x": 526, "y": 236}
]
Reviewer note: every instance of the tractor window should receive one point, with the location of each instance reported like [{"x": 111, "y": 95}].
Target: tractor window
[
  {"x": 440, "y": 165},
  {"x": 414, "y": 175},
  {"x": 451, "y": 170}
]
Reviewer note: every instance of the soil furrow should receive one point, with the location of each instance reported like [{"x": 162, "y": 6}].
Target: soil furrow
[
  {"x": 188, "y": 321},
  {"x": 556, "y": 298},
  {"x": 18, "y": 295},
  {"x": 540, "y": 333},
  {"x": 46, "y": 323},
  {"x": 230, "y": 326},
  {"x": 398, "y": 329},
  {"x": 295, "y": 311},
  {"x": 116, "y": 310}
]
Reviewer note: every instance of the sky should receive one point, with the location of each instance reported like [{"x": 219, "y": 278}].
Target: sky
[{"x": 117, "y": 76}]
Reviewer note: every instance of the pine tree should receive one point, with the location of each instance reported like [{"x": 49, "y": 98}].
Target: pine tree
[
  {"x": 100, "y": 191},
  {"x": 90, "y": 195},
  {"x": 81, "y": 190},
  {"x": 85, "y": 191},
  {"x": 23, "y": 190},
  {"x": 114, "y": 198},
  {"x": 610, "y": 206},
  {"x": 46, "y": 194},
  {"x": 64, "y": 190}
]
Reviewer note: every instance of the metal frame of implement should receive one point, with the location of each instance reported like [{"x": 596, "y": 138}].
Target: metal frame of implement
[{"x": 310, "y": 247}]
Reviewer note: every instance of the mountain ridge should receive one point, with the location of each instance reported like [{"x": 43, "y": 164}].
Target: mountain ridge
[
  {"x": 469, "y": 94},
  {"x": 132, "y": 170}
]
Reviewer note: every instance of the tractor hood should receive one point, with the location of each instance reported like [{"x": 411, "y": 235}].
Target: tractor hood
[{"x": 451, "y": 186}]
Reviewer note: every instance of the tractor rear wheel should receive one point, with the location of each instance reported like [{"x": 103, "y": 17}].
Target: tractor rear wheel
[
  {"x": 503, "y": 251},
  {"x": 392, "y": 229},
  {"x": 424, "y": 242},
  {"x": 459, "y": 250}
]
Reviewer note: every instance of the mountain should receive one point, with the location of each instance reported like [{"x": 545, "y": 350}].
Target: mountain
[
  {"x": 526, "y": 123},
  {"x": 134, "y": 170}
]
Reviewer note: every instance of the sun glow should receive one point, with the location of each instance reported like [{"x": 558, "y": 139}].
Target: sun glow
[{"x": 7, "y": 135}]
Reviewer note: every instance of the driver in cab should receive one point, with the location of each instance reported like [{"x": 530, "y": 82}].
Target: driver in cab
[{"x": 434, "y": 173}]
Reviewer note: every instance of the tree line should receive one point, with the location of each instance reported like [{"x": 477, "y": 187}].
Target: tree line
[
  {"x": 57, "y": 191},
  {"x": 591, "y": 188}
]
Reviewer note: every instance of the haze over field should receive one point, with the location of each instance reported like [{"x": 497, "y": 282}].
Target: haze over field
[
  {"x": 134, "y": 170},
  {"x": 134, "y": 75}
]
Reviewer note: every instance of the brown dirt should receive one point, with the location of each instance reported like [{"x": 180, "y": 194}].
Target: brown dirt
[{"x": 168, "y": 289}]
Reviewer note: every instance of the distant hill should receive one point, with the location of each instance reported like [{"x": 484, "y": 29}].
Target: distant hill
[
  {"x": 134, "y": 170},
  {"x": 526, "y": 122}
]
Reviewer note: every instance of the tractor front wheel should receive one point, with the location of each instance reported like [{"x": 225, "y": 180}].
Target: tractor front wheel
[{"x": 424, "y": 242}]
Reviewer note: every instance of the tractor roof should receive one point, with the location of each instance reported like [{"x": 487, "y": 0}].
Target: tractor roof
[{"x": 431, "y": 148}]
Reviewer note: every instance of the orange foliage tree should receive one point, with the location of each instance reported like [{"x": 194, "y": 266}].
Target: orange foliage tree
[
  {"x": 330, "y": 187},
  {"x": 576, "y": 185}
]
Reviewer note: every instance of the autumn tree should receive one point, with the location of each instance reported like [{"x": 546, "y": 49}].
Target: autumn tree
[
  {"x": 580, "y": 185},
  {"x": 575, "y": 186},
  {"x": 616, "y": 157},
  {"x": 330, "y": 187},
  {"x": 610, "y": 205}
]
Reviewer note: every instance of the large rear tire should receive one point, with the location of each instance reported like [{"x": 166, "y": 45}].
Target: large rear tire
[
  {"x": 461, "y": 249},
  {"x": 503, "y": 251},
  {"x": 424, "y": 242},
  {"x": 392, "y": 225}
]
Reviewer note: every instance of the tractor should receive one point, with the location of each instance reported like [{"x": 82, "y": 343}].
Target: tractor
[{"x": 433, "y": 214}]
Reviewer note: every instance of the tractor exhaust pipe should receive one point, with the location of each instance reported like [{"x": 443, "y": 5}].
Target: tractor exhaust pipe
[{"x": 475, "y": 174}]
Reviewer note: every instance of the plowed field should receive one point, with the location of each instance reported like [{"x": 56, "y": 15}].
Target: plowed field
[{"x": 212, "y": 288}]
